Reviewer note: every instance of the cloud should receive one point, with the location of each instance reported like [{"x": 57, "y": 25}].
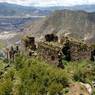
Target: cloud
[{"x": 50, "y": 2}]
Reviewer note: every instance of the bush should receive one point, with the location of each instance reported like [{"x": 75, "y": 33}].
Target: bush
[
  {"x": 5, "y": 87},
  {"x": 32, "y": 76},
  {"x": 38, "y": 78}
]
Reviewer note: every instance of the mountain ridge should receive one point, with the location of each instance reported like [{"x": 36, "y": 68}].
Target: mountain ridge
[
  {"x": 77, "y": 24},
  {"x": 8, "y": 9}
]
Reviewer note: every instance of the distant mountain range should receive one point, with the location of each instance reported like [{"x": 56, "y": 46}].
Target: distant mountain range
[
  {"x": 7, "y": 9},
  {"x": 87, "y": 8}
]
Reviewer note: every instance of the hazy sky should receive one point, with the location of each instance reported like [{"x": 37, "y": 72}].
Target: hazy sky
[{"x": 49, "y": 2}]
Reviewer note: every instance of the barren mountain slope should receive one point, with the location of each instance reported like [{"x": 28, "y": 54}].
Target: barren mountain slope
[{"x": 77, "y": 24}]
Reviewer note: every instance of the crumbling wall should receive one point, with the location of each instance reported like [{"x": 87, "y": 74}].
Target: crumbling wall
[
  {"x": 66, "y": 51},
  {"x": 29, "y": 43},
  {"x": 49, "y": 53},
  {"x": 93, "y": 55},
  {"x": 71, "y": 51},
  {"x": 51, "y": 37},
  {"x": 77, "y": 51},
  {"x": 79, "y": 54}
]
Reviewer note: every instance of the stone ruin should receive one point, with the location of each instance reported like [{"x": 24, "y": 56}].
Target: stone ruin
[
  {"x": 29, "y": 44},
  {"x": 69, "y": 50},
  {"x": 54, "y": 52},
  {"x": 48, "y": 52},
  {"x": 74, "y": 51},
  {"x": 51, "y": 37}
]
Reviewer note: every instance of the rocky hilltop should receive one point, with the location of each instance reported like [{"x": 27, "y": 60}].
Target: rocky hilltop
[{"x": 77, "y": 24}]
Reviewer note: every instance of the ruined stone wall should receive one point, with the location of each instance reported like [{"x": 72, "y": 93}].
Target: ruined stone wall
[
  {"x": 49, "y": 53},
  {"x": 51, "y": 37},
  {"x": 73, "y": 52},
  {"x": 79, "y": 52},
  {"x": 29, "y": 43}
]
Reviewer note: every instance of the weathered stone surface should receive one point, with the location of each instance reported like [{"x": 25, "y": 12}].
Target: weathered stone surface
[
  {"x": 80, "y": 51},
  {"x": 71, "y": 51},
  {"x": 48, "y": 52},
  {"x": 78, "y": 89}
]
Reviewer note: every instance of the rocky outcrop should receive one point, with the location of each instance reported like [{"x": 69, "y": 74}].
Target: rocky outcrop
[{"x": 79, "y": 89}]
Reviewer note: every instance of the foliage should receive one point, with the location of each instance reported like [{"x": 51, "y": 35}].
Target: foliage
[
  {"x": 32, "y": 76},
  {"x": 82, "y": 71},
  {"x": 38, "y": 77},
  {"x": 5, "y": 87}
]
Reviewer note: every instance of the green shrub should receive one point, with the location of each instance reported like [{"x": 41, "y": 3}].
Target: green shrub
[
  {"x": 38, "y": 77},
  {"x": 32, "y": 76},
  {"x": 5, "y": 87}
]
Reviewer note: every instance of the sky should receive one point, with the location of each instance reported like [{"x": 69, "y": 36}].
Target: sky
[{"x": 49, "y": 2}]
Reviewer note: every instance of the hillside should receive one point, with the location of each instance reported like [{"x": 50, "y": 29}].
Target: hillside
[
  {"x": 77, "y": 24},
  {"x": 34, "y": 77}
]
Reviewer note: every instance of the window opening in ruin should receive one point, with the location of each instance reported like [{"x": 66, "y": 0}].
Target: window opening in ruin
[
  {"x": 93, "y": 55},
  {"x": 52, "y": 58},
  {"x": 66, "y": 52}
]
